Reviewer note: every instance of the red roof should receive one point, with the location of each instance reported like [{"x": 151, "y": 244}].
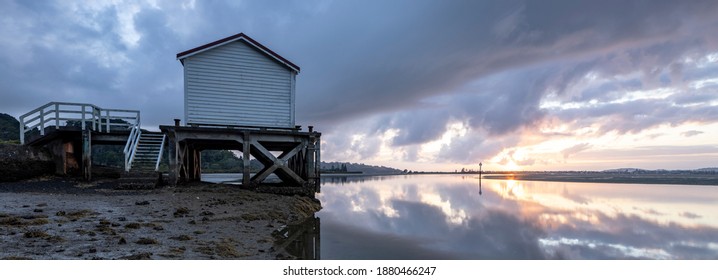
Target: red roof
[{"x": 236, "y": 37}]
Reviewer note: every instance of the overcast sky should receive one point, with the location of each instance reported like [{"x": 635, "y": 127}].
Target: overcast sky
[{"x": 420, "y": 85}]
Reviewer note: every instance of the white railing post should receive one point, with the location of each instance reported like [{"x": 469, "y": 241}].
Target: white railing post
[
  {"x": 42, "y": 121},
  {"x": 159, "y": 157},
  {"x": 96, "y": 118},
  {"x": 134, "y": 146},
  {"x": 128, "y": 148},
  {"x": 57, "y": 115},
  {"x": 131, "y": 147},
  {"x": 83, "y": 117},
  {"x": 108, "y": 120},
  {"x": 53, "y": 113},
  {"x": 127, "y": 145}
]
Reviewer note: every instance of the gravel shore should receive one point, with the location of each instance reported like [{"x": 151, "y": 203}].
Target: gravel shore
[{"x": 56, "y": 218}]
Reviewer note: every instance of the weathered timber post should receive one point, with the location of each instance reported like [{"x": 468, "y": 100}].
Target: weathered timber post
[
  {"x": 196, "y": 164},
  {"x": 87, "y": 154},
  {"x": 182, "y": 160},
  {"x": 172, "y": 155},
  {"x": 246, "y": 149},
  {"x": 311, "y": 152}
]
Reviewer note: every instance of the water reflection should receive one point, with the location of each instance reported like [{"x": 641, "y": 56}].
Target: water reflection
[
  {"x": 344, "y": 179},
  {"x": 300, "y": 240},
  {"x": 446, "y": 217}
]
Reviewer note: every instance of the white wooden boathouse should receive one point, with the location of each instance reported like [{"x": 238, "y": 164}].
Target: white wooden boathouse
[
  {"x": 237, "y": 81},
  {"x": 240, "y": 95}
]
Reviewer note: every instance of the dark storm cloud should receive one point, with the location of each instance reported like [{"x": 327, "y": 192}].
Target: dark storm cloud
[
  {"x": 475, "y": 146},
  {"x": 44, "y": 62},
  {"x": 606, "y": 92},
  {"x": 635, "y": 116},
  {"x": 79, "y": 56},
  {"x": 495, "y": 114},
  {"x": 509, "y": 106},
  {"x": 418, "y": 126},
  {"x": 420, "y": 64},
  {"x": 547, "y": 51}
]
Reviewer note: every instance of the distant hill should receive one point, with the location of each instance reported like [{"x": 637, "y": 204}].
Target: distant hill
[
  {"x": 9, "y": 128},
  {"x": 359, "y": 167}
]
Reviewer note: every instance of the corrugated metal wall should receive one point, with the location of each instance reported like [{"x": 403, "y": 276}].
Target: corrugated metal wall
[{"x": 235, "y": 84}]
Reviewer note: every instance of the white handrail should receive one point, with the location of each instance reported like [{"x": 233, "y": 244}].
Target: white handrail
[
  {"x": 53, "y": 114},
  {"x": 127, "y": 151},
  {"x": 159, "y": 157},
  {"x": 134, "y": 148},
  {"x": 131, "y": 147}
]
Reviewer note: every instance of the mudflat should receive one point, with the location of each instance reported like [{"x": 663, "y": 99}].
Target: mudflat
[{"x": 57, "y": 218}]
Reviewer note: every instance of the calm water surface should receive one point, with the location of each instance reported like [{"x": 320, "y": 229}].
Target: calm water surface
[{"x": 445, "y": 217}]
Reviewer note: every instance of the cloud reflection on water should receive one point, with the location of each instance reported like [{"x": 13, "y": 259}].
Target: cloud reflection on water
[{"x": 444, "y": 217}]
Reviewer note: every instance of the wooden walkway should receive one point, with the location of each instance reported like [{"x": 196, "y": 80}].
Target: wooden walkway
[{"x": 69, "y": 130}]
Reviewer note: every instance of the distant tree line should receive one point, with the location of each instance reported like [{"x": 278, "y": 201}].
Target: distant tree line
[
  {"x": 9, "y": 129},
  {"x": 349, "y": 167},
  {"x": 224, "y": 161},
  {"x": 337, "y": 168}
]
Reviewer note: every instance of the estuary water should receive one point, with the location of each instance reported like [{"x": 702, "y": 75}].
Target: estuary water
[{"x": 452, "y": 217}]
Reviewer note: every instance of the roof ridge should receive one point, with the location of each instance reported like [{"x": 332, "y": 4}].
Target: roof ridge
[{"x": 236, "y": 37}]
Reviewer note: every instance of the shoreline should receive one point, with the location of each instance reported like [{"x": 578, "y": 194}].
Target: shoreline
[
  {"x": 611, "y": 178},
  {"x": 690, "y": 179},
  {"x": 59, "y": 218}
]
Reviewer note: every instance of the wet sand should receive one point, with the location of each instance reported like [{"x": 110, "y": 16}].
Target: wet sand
[{"x": 55, "y": 218}]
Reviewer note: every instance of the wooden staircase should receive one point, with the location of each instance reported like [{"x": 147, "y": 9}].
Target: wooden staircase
[
  {"x": 142, "y": 169},
  {"x": 148, "y": 150}
]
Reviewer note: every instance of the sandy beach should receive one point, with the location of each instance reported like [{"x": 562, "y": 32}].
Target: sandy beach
[{"x": 57, "y": 218}]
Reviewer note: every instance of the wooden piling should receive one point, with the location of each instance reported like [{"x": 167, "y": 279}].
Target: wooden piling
[
  {"x": 245, "y": 158},
  {"x": 87, "y": 154}
]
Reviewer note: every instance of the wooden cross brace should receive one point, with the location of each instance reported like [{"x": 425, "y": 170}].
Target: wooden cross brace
[{"x": 278, "y": 165}]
